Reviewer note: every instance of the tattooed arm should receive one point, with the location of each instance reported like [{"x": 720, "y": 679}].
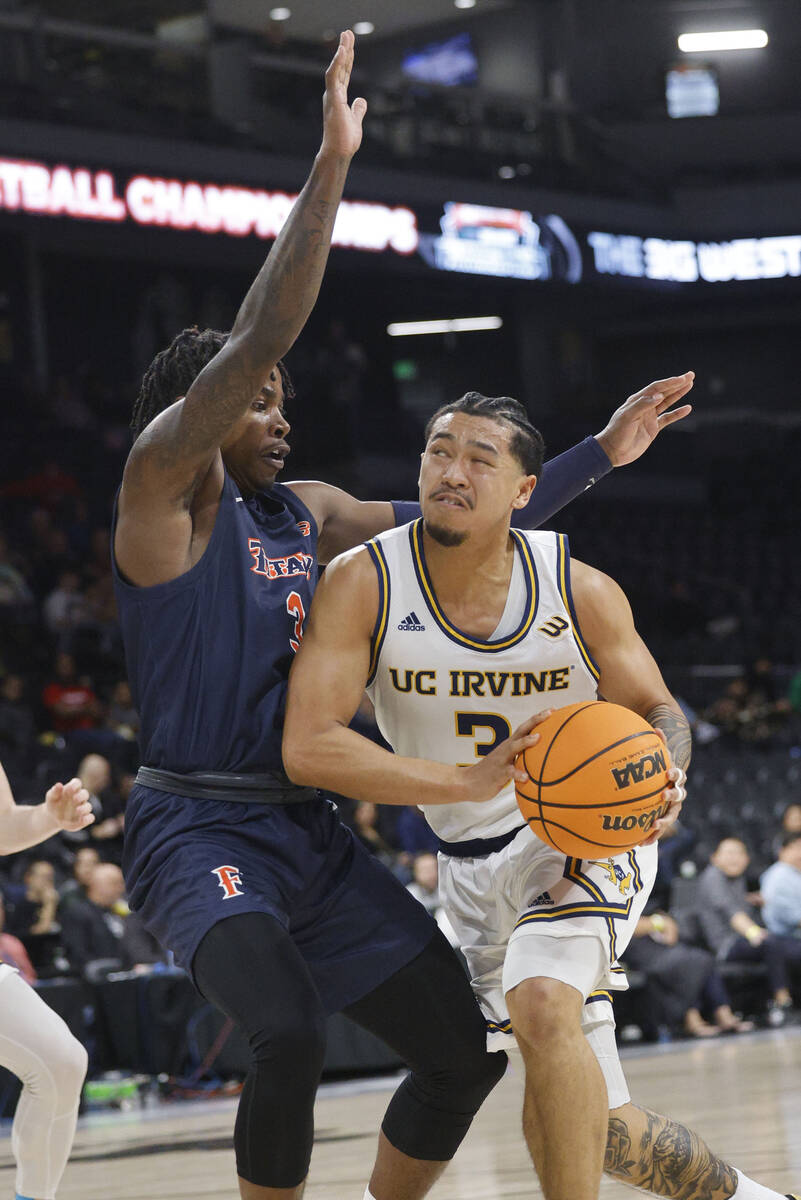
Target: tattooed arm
[
  {"x": 649, "y": 1151},
  {"x": 174, "y": 473},
  {"x": 676, "y": 729},
  {"x": 283, "y": 294},
  {"x": 629, "y": 675}
]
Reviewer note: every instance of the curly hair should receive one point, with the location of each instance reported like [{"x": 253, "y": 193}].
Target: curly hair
[
  {"x": 174, "y": 370},
  {"x": 526, "y": 442}
]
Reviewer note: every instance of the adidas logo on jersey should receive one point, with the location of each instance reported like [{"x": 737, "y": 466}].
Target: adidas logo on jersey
[
  {"x": 543, "y": 899},
  {"x": 411, "y": 624}
]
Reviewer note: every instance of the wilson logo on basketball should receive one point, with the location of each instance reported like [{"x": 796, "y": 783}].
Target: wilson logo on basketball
[
  {"x": 642, "y": 768},
  {"x": 642, "y": 821}
]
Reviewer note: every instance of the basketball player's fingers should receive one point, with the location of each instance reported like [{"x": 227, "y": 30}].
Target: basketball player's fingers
[
  {"x": 338, "y": 73},
  {"x": 662, "y": 393},
  {"x": 677, "y": 792},
  {"x": 671, "y": 385},
  {"x": 530, "y": 723},
  {"x": 677, "y": 414},
  {"x": 660, "y": 827}
]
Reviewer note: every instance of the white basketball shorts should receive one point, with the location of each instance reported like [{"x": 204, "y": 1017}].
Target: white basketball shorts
[{"x": 527, "y": 911}]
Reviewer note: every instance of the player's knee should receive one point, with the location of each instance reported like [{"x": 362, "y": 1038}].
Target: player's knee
[
  {"x": 479, "y": 1077},
  {"x": 56, "y": 1074},
  {"x": 68, "y": 1065},
  {"x": 294, "y": 1045},
  {"x": 543, "y": 1010},
  {"x": 468, "y": 1080},
  {"x": 432, "y": 1110}
]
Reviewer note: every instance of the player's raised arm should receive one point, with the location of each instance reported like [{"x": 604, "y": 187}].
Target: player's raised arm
[
  {"x": 630, "y": 430},
  {"x": 345, "y": 522},
  {"x": 66, "y": 806},
  {"x": 325, "y": 686},
  {"x": 181, "y": 443}
]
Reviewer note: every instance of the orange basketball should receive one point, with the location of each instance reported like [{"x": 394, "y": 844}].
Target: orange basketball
[{"x": 595, "y": 779}]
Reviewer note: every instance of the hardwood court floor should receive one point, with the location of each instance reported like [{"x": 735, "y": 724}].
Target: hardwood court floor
[{"x": 743, "y": 1095}]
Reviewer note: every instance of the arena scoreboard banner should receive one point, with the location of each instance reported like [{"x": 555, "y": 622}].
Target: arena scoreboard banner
[{"x": 461, "y": 237}]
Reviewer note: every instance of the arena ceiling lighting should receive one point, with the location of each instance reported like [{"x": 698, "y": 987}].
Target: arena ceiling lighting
[
  {"x": 363, "y": 28},
  {"x": 727, "y": 39},
  {"x": 453, "y": 325},
  {"x": 280, "y": 14},
  {"x": 464, "y": 3}
]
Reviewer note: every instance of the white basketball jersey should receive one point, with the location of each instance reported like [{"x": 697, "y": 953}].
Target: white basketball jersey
[{"x": 444, "y": 695}]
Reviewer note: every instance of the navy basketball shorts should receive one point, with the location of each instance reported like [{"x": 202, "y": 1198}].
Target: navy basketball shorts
[{"x": 191, "y": 863}]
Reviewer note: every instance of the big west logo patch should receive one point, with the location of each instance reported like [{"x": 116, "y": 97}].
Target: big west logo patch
[{"x": 641, "y": 768}]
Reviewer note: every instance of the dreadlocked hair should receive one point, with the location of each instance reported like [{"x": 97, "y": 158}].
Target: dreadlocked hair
[
  {"x": 526, "y": 442},
  {"x": 174, "y": 370}
]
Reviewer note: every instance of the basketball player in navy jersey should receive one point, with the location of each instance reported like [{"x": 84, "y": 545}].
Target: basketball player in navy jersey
[
  {"x": 458, "y": 627},
  {"x": 34, "y": 1041},
  {"x": 256, "y": 886}
]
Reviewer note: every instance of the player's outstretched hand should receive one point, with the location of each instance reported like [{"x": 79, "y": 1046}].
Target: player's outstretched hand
[
  {"x": 674, "y": 797},
  {"x": 68, "y": 804},
  {"x": 342, "y": 123},
  {"x": 634, "y": 426},
  {"x": 488, "y": 777}
]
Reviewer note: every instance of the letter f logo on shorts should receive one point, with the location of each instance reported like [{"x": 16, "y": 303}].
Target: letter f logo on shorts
[{"x": 228, "y": 879}]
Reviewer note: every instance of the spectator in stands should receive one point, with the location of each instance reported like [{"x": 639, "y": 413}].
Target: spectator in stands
[
  {"x": 69, "y": 700},
  {"x": 64, "y": 609},
  {"x": 94, "y": 927},
  {"x": 791, "y": 819},
  {"x": 731, "y": 928},
  {"x": 781, "y": 891},
  {"x": 726, "y": 713},
  {"x": 674, "y": 848},
  {"x": 365, "y": 828},
  {"x": 101, "y": 930},
  {"x": 15, "y": 595},
  {"x": 33, "y": 918},
  {"x": 121, "y": 715},
  {"x": 685, "y": 977},
  {"x": 425, "y": 888},
  {"x": 12, "y": 951},
  {"x": 94, "y": 772},
  {"x": 86, "y": 859},
  {"x": 790, "y": 823},
  {"x": 17, "y": 727}
]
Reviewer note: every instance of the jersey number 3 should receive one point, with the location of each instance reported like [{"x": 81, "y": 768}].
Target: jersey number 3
[
  {"x": 294, "y": 606},
  {"x": 498, "y": 728}
]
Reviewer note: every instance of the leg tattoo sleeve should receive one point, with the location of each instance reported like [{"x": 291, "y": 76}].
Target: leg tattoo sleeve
[{"x": 652, "y": 1152}]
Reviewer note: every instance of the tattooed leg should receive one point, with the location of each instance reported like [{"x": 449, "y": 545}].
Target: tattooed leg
[{"x": 657, "y": 1154}]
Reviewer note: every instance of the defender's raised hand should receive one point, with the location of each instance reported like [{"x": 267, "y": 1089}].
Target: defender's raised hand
[
  {"x": 634, "y": 426},
  {"x": 342, "y": 123}
]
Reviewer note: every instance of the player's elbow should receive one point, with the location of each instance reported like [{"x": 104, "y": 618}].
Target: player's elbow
[{"x": 298, "y": 757}]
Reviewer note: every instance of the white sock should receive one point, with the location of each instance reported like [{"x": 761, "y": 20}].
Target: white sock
[{"x": 748, "y": 1190}]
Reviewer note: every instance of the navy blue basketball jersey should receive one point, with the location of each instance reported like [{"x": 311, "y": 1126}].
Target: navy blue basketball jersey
[{"x": 208, "y": 654}]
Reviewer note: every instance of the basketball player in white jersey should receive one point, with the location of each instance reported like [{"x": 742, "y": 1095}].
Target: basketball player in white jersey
[
  {"x": 34, "y": 1041},
  {"x": 460, "y": 628}
]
